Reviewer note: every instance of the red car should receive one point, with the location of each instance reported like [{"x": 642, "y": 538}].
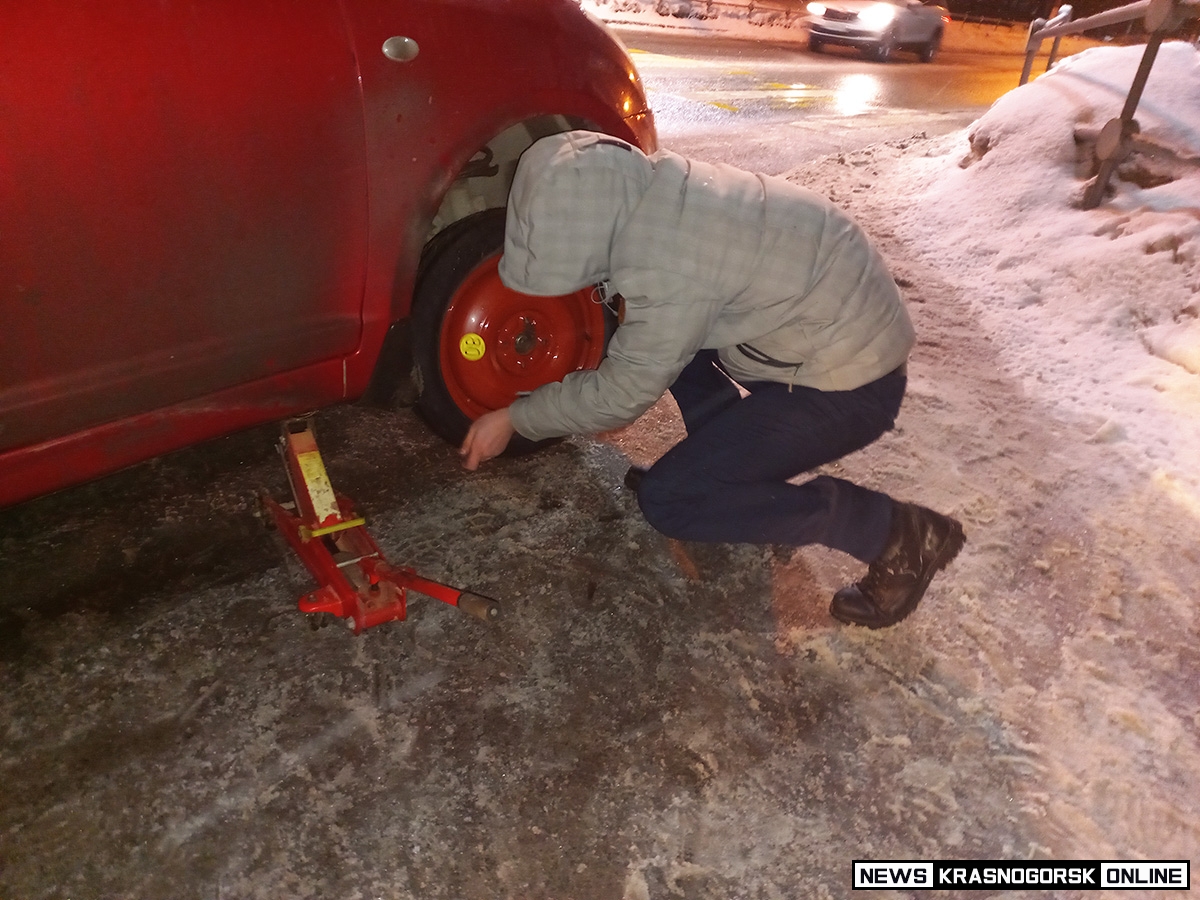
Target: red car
[{"x": 220, "y": 214}]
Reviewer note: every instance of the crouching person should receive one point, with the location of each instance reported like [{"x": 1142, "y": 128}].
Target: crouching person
[{"x": 726, "y": 279}]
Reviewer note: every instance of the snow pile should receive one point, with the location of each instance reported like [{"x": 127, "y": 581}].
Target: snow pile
[{"x": 1098, "y": 309}]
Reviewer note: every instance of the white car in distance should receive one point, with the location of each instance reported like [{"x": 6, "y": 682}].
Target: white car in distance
[{"x": 878, "y": 27}]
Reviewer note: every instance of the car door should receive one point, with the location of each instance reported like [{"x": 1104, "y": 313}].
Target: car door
[
  {"x": 925, "y": 17},
  {"x": 908, "y": 26},
  {"x": 182, "y": 203}
]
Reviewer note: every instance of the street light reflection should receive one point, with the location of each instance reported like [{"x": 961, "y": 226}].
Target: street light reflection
[
  {"x": 792, "y": 95},
  {"x": 855, "y": 94}
]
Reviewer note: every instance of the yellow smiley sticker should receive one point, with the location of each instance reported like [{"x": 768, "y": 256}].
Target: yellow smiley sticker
[{"x": 472, "y": 347}]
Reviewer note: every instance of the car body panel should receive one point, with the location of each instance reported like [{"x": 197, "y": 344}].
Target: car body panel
[
  {"x": 163, "y": 237},
  {"x": 211, "y": 215}
]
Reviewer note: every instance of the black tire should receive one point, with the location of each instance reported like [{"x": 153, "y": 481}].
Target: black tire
[
  {"x": 930, "y": 50},
  {"x": 450, "y": 256},
  {"x": 886, "y": 48},
  {"x": 456, "y": 255},
  {"x": 815, "y": 44}
]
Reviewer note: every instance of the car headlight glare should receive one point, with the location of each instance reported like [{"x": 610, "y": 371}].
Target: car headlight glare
[
  {"x": 878, "y": 16},
  {"x": 816, "y": 9}
]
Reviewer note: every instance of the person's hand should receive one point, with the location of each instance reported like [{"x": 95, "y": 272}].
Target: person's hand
[{"x": 487, "y": 438}]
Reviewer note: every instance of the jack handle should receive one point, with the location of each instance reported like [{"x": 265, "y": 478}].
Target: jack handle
[{"x": 476, "y": 605}]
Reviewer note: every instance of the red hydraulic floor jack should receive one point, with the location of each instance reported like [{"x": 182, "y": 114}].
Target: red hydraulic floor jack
[{"x": 356, "y": 582}]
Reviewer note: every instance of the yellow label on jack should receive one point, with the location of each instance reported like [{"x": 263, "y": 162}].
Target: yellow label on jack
[
  {"x": 472, "y": 347},
  {"x": 316, "y": 483}
]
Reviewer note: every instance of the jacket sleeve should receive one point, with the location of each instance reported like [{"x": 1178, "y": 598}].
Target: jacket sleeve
[{"x": 645, "y": 356}]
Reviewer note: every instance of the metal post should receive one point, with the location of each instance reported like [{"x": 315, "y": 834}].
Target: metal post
[
  {"x": 1053, "y": 53},
  {"x": 1157, "y": 19},
  {"x": 1064, "y": 15},
  {"x": 1032, "y": 45},
  {"x": 1034, "y": 42}
]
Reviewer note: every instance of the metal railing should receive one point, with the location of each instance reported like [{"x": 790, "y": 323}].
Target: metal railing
[
  {"x": 1114, "y": 140},
  {"x": 998, "y": 12}
]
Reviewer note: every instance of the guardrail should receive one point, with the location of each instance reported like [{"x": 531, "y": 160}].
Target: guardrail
[
  {"x": 1114, "y": 142},
  {"x": 998, "y": 12}
]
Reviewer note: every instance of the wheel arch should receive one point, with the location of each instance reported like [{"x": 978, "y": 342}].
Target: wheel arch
[{"x": 480, "y": 181}]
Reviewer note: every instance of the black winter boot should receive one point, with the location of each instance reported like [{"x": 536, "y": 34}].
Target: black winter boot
[
  {"x": 920, "y": 543},
  {"x": 633, "y": 478}
]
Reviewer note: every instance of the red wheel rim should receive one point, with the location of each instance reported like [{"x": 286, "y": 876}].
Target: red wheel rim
[{"x": 497, "y": 344}]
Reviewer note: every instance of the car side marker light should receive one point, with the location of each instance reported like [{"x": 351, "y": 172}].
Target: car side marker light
[{"x": 400, "y": 49}]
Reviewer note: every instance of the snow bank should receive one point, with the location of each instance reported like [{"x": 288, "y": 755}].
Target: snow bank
[{"x": 1095, "y": 309}]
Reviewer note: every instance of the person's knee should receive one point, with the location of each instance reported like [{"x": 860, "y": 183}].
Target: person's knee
[{"x": 670, "y": 504}]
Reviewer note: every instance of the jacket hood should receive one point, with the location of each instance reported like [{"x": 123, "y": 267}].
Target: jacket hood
[{"x": 571, "y": 195}]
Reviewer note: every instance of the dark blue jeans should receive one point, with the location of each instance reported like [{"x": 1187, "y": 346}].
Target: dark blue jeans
[{"x": 728, "y": 480}]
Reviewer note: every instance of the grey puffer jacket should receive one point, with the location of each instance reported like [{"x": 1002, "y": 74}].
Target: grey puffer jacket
[{"x": 783, "y": 284}]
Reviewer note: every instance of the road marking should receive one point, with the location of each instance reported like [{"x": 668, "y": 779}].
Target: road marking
[
  {"x": 852, "y": 95},
  {"x": 785, "y": 92},
  {"x": 732, "y": 99}
]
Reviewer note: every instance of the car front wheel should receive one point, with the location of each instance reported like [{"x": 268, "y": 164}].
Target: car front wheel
[
  {"x": 478, "y": 345},
  {"x": 886, "y": 48},
  {"x": 930, "y": 49}
]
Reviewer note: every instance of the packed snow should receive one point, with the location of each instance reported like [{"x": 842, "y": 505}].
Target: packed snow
[
  {"x": 1054, "y": 406},
  {"x": 1076, "y": 462}
]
